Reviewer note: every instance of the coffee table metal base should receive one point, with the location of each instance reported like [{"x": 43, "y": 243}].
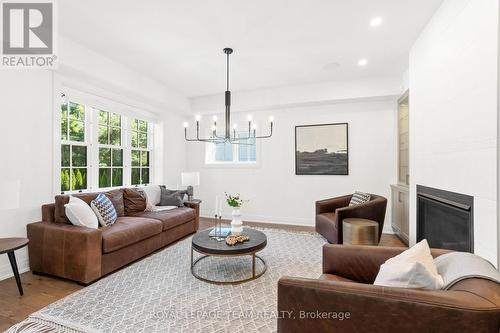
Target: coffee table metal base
[{"x": 253, "y": 277}]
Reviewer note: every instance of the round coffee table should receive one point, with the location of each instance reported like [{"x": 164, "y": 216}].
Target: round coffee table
[{"x": 208, "y": 247}]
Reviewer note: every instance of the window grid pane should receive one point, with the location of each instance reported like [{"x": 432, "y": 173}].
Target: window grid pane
[
  {"x": 111, "y": 165},
  {"x": 224, "y": 152}
]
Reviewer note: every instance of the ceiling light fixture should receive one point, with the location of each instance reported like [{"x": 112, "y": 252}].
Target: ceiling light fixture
[
  {"x": 249, "y": 139},
  {"x": 362, "y": 62},
  {"x": 376, "y": 21}
]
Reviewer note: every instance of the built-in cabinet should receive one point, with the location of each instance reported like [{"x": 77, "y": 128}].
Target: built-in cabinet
[
  {"x": 399, "y": 192},
  {"x": 400, "y": 211}
]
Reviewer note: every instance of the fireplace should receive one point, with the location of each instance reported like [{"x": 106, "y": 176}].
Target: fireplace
[{"x": 445, "y": 219}]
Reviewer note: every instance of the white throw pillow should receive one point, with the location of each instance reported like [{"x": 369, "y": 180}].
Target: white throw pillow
[
  {"x": 153, "y": 196},
  {"x": 414, "y": 268},
  {"x": 80, "y": 214}
]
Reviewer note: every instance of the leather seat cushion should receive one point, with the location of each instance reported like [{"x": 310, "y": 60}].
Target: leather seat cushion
[
  {"x": 171, "y": 218},
  {"x": 128, "y": 230},
  {"x": 332, "y": 277}
]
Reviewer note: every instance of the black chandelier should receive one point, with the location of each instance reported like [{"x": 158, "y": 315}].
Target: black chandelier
[{"x": 233, "y": 138}]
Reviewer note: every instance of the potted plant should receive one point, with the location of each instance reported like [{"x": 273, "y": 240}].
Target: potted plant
[{"x": 235, "y": 202}]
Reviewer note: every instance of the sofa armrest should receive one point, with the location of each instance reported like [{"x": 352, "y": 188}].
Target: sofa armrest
[
  {"x": 358, "y": 263},
  {"x": 306, "y": 305},
  {"x": 195, "y": 204},
  {"x": 65, "y": 250},
  {"x": 330, "y": 205}
]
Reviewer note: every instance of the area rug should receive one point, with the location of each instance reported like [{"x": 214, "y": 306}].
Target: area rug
[{"x": 159, "y": 293}]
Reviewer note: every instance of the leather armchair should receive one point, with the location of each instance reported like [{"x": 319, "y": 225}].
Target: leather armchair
[
  {"x": 331, "y": 212},
  {"x": 345, "y": 300}
]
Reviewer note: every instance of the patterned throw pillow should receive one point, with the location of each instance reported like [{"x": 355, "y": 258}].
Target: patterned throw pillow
[
  {"x": 104, "y": 209},
  {"x": 359, "y": 198}
]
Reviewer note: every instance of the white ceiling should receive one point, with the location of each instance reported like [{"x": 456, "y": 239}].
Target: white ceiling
[{"x": 276, "y": 42}]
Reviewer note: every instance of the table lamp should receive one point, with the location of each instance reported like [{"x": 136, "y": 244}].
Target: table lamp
[{"x": 190, "y": 179}]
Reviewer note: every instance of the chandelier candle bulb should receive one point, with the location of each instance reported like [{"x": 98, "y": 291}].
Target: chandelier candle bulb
[
  {"x": 186, "y": 124},
  {"x": 197, "y": 117}
]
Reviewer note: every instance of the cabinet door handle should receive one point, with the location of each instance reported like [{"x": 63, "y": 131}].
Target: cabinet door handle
[{"x": 399, "y": 197}]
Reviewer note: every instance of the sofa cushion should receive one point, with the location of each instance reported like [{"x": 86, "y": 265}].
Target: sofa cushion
[
  {"x": 127, "y": 231},
  {"x": 171, "y": 218},
  {"x": 116, "y": 197},
  {"x": 134, "y": 201},
  {"x": 413, "y": 268},
  {"x": 104, "y": 210},
  {"x": 171, "y": 197}
]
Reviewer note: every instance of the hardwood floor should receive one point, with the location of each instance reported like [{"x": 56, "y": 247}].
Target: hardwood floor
[{"x": 40, "y": 291}]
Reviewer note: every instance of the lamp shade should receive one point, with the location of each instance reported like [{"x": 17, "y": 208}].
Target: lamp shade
[
  {"x": 190, "y": 178},
  {"x": 9, "y": 194}
]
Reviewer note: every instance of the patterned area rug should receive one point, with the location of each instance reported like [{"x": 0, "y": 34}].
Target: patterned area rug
[{"x": 159, "y": 294}]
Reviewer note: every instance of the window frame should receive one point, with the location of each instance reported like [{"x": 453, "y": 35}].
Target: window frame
[
  {"x": 210, "y": 161},
  {"x": 92, "y": 105},
  {"x": 149, "y": 149},
  {"x": 108, "y": 145},
  {"x": 71, "y": 143}
]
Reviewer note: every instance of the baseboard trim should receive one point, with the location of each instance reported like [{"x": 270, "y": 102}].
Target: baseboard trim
[
  {"x": 6, "y": 271},
  {"x": 301, "y": 222}
]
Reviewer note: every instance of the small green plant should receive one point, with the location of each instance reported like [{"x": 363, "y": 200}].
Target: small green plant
[{"x": 234, "y": 200}]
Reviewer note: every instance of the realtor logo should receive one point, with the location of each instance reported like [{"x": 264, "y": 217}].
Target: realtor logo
[{"x": 28, "y": 34}]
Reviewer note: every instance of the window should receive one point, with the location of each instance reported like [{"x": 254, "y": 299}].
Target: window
[
  {"x": 74, "y": 168},
  {"x": 224, "y": 152},
  {"x": 232, "y": 153},
  {"x": 110, "y": 151},
  {"x": 101, "y": 148},
  {"x": 139, "y": 139},
  {"x": 247, "y": 153}
]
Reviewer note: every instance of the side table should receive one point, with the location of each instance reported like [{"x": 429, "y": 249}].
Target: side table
[
  {"x": 9, "y": 245},
  {"x": 358, "y": 231}
]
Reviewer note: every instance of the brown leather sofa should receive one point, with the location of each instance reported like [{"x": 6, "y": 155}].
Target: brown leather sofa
[
  {"x": 331, "y": 212},
  {"x": 82, "y": 254},
  {"x": 346, "y": 289}
]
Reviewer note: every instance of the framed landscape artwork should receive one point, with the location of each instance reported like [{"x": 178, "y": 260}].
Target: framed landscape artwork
[{"x": 321, "y": 149}]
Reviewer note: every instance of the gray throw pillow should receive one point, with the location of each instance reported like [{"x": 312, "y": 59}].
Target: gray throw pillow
[{"x": 171, "y": 197}]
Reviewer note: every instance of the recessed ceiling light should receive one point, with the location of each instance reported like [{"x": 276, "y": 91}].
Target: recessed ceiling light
[
  {"x": 362, "y": 62},
  {"x": 376, "y": 21}
]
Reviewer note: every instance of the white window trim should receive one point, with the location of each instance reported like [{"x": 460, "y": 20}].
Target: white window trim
[
  {"x": 91, "y": 138},
  {"x": 209, "y": 160}
]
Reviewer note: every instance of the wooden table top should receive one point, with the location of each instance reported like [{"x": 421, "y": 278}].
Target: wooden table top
[
  {"x": 11, "y": 244},
  {"x": 203, "y": 243}
]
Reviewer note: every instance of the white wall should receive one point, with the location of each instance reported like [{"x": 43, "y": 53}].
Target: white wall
[
  {"x": 453, "y": 113},
  {"x": 27, "y": 127},
  {"x": 299, "y": 95},
  {"x": 276, "y": 194},
  {"x": 26, "y": 133}
]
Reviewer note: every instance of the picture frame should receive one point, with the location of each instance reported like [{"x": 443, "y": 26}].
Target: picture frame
[{"x": 322, "y": 149}]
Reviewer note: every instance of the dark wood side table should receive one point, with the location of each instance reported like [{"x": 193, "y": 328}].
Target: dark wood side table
[{"x": 9, "y": 245}]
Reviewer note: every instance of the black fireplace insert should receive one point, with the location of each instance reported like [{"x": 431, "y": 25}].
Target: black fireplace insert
[{"x": 445, "y": 219}]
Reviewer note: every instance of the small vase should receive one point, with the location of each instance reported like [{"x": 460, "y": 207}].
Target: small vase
[{"x": 236, "y": 223}]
